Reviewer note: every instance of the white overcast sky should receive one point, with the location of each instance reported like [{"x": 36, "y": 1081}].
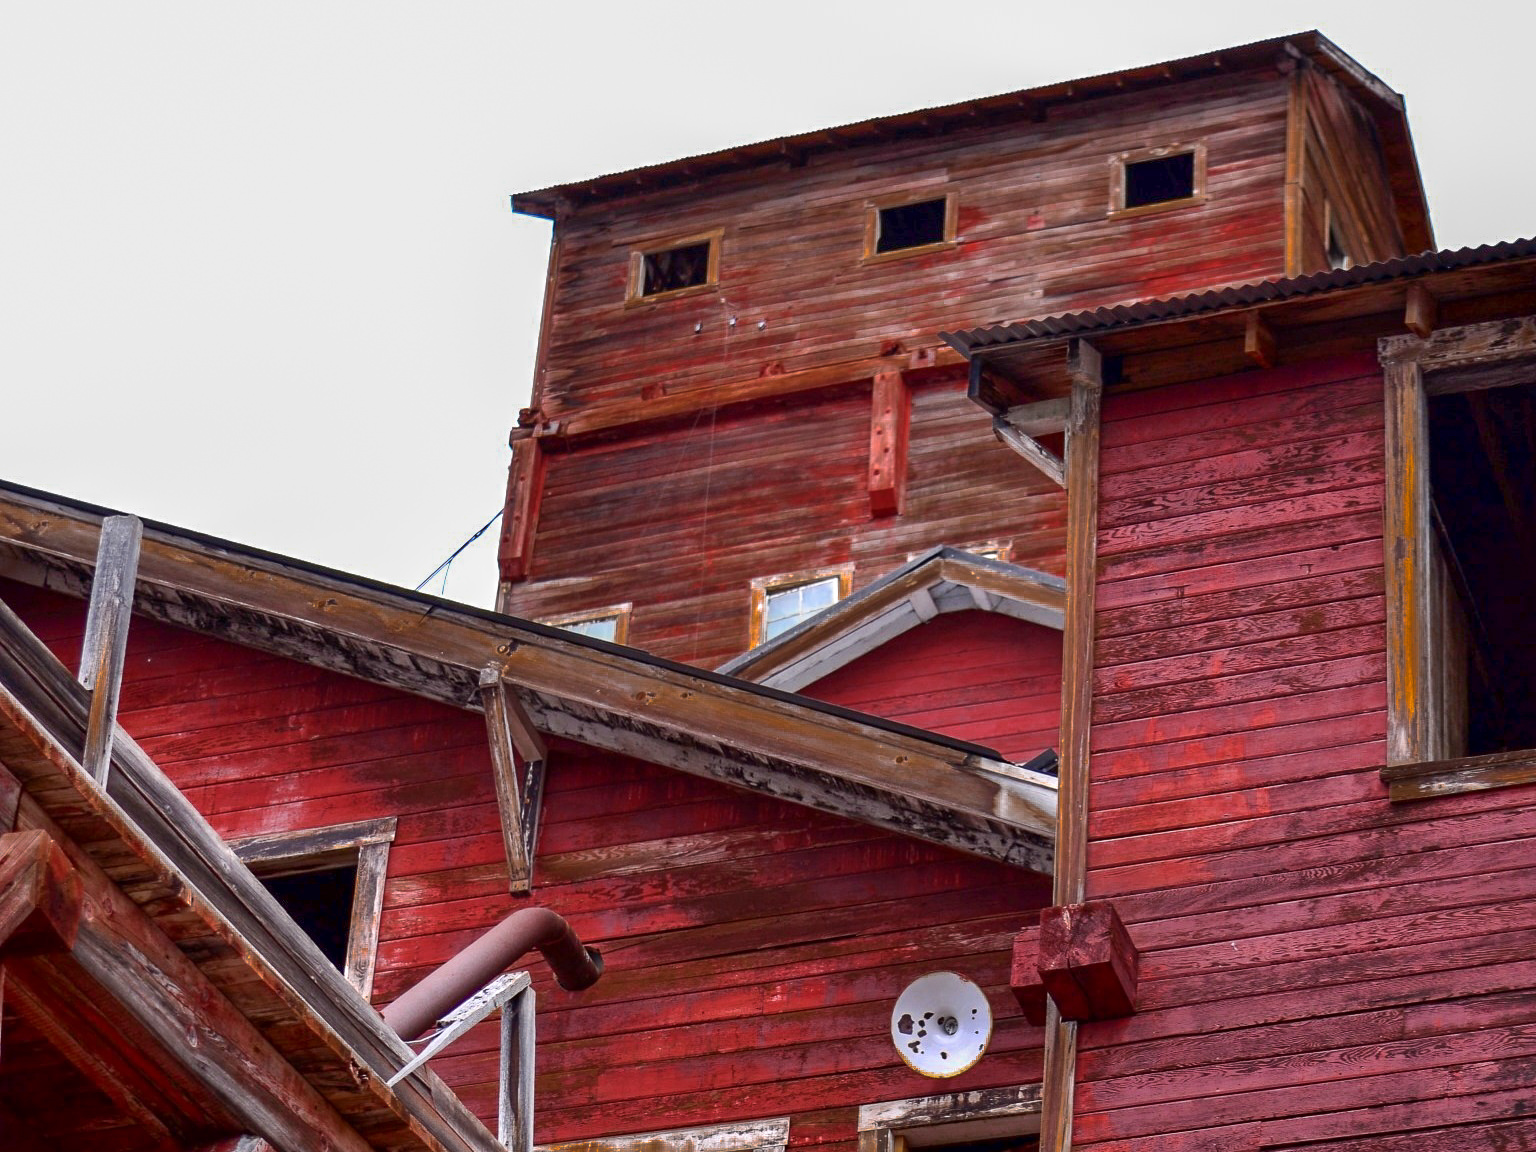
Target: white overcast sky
[{"x": 258, "y": 272}]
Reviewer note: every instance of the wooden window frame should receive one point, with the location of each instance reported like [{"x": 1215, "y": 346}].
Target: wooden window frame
[
  {"x": 764, "y": 586},
  {"x": 949, "y": 1118},
  {"x": 873, "y": 208},
  {"x": 314, "y": 849},
  {"x": 635, "y": 294},
  {"x": 620, "y": 613},
  {"x": 745, "y": 1136},
  {"x": 1117, "y": 166},
  {"x": 1419, "y": 734}
]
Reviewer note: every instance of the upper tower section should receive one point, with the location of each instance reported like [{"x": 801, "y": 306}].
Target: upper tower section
[{"x": 810, "y": 251}]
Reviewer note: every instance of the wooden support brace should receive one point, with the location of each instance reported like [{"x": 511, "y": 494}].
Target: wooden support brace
[
  {"x": 1024, "y": 979},
  {"x": 1031, "y": 449},
  {"x": 106, "y": 635},
  {"x": 525, "y": 492},
  {"x": 39, "y": 894},
  {"x": 1087, "y": 962},
  {"x": 1420, "y": 311},
  {"x": 1040, "y": 418},
  {"x": 1258, "y": 341},
  {"x": 889, "y": 431},
  {"x": 513, "y": 737}
]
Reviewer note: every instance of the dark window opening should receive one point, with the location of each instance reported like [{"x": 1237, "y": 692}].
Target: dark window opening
[
  {"x": 997, "y": 1144},
  {"x": 1338, "y": 255},
  {"x": 1483, "y": 515},
  {"x": 685, "y": 267},
  {"x": 910, "y": 226},
  {"x": 1159, "y": 181},
  {"x": 320, "y": 903}
]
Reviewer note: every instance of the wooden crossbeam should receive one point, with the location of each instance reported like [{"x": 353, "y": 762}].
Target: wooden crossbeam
[
  {"x": 106, "y": 635},
  {"x": 1420, "y": 311}
]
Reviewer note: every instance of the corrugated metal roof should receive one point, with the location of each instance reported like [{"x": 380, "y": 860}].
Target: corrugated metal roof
[
  {"x": 928, "y": 121},
  {"x": 1237, "y": 296}
]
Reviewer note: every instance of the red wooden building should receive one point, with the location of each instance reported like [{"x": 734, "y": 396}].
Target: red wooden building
[{"x": 1246, "y": 558}]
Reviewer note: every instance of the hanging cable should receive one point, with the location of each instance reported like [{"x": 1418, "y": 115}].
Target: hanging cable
[{"x": 446, "y": 564}]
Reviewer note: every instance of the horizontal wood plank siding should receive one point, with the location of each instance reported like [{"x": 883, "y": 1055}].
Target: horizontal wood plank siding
[
  {"x": 1034, "y": 237},
  {"x": 753, "y": 949},
  {"x": 1320, "y": 969},
  {"x": 681, "y": 520},
  {"x": 978, "y": 676}
]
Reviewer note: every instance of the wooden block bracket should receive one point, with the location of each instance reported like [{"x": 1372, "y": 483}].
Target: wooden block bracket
[{"x": 1080, "y": 956}]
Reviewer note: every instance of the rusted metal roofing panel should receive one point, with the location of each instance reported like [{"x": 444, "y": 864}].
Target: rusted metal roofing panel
[{"x": 1237, "y": 296}]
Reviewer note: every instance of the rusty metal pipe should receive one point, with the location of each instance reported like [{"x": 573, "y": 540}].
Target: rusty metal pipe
[{"x": 460, "y": 977}]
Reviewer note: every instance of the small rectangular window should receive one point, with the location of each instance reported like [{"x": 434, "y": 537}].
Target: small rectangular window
[
  {"x": 610, "y": 624},
  {"x": 781, "y": 602},
  {"x": 907, "y": 226},
  {"x": 690, "y": 264},
  {"x": 330, "y": 881},
  {"x": 1153, "y": 179}
]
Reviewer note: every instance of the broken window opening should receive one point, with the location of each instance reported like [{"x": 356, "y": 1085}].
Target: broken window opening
[
  {"x": 903, "y": 226},
  {"x": 1482, "y": 453},
  {"x": 1160, "y": 180},
  {"x": 320, "y": 903},
  {"x": 1338, "y": 255},
  {"x": 676, "y": 268}
]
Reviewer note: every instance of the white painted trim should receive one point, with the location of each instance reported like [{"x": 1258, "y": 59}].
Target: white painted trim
[
  {"x": 746, "y": 1136},
  {"x": 951, "y": 1117}
]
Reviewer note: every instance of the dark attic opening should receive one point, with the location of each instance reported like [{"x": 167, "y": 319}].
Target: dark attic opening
[
  {"x": 1483, "y": 513},
  {"x": 675, "y": 268},
  {"x": 320, "y": 902},
  {"x": 910, "y": 226},
  {"x": 1159, "y": 180}
]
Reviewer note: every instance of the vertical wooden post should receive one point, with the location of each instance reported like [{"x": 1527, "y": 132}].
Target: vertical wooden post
[
  {"x": 525, "y": 492},
  {"x": 1410, "y": 557},
  {"x": 514, "y": 1111},
  {"x": 106, "y": 636},
  {"x": 1070, "y": 881},
  {"x": 889, "y": 430}
]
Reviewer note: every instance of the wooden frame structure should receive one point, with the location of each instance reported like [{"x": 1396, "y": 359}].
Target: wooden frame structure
[
  {"x": 363, "y": 843},
  {"x": 1117, "y": 179},
  {"x": 1424, "y": 726}
]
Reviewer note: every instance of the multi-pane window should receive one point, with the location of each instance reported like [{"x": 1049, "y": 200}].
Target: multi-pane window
[{"x": 781, "y": 602}]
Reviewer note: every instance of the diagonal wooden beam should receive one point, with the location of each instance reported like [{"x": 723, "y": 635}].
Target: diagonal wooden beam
[
  {"x": 512, "y": 738},
  {"x": 106, "y": 635},
  {"x": 1031, "y": 449}
]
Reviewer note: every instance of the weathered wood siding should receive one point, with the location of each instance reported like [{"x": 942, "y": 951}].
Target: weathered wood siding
[
  {"x": 679, "y": 521},
  {"x": 1034, "y": 237},
  {"x": 978, "y": 676},
  {"x": 753, "y": 948},
  {"x": 1320, "y": 968},
  {"x": 753, "y": 953}
]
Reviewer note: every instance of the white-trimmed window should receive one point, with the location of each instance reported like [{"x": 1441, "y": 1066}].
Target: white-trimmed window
[
  {"x": 780, "y": 602},
  {"x": 331, "y": 882},
  {"x": 611, "y": 623},
  {"x": 987, "y": 1120}
]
